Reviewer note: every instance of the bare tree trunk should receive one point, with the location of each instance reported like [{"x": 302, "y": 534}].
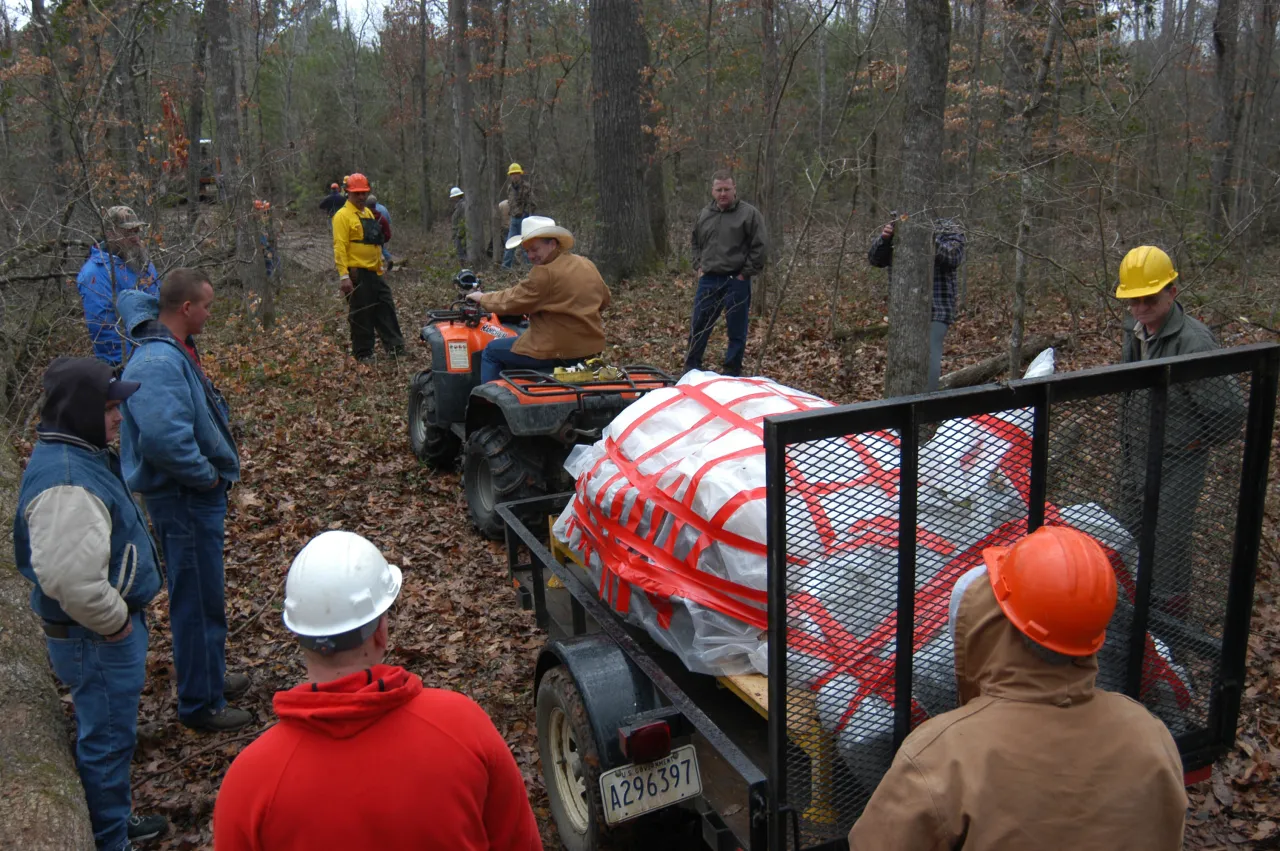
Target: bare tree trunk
[
  {"x": 237, "y": 193},
  {"x": 469, "y": 143},
  {"x": 619, "y": 50},
  {"x": 49, "y": 90},
  {"x": 766, "y": 165},
  {"x": 708, "y": 87},
  {"x": 1226, "y": 25},
  {"x": 195, "y": 120},
  {"x": 426, "y": 204},
  {"x": 928, "y": 36},
  {"x": 975, "y": 131}
]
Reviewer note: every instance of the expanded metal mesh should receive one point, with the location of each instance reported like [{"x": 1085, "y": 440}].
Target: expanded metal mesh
[{"x": 974, "y": 490}]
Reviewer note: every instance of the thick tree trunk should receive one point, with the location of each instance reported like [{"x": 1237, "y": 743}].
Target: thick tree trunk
[
  {"x": 1226, "y": 25},
  {"x": 928, "y": 33},
  {"x": 624, "y": 239},
  {"x": 42, "y": 804},
  {"x": 469, "y": 142},
  {"x": 235, "y": 190}
]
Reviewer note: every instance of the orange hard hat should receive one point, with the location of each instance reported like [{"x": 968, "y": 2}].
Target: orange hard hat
[
  {"x": 358, "y": 183},
  {"x": 333, "y": 186},
  {"x": 1057, "y": 587}
]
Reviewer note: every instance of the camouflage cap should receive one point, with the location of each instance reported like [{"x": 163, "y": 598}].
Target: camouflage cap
[{"x": 123, "y": 218}]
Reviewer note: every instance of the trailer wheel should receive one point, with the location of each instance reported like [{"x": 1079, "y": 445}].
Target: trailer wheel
[
  {"x": 496, "y": 470},
  {"x": 570, "y": 762},
  {"x": 435, "y": 446}
]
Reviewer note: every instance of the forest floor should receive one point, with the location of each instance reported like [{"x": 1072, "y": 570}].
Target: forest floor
[{"x": 324, "y": 446}]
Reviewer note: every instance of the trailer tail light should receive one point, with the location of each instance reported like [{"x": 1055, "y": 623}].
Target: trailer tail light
[{"x": 646, "y": 742}]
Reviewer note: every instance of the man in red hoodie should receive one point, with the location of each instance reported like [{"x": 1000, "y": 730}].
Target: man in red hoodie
[{"x": 364, "y": 757}]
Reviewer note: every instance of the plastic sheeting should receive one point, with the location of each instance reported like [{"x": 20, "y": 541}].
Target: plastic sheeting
[{"x": 669, "y": 517}]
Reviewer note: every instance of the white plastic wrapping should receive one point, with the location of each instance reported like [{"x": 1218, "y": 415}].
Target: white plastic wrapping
[{"x": 841, "y": 528}]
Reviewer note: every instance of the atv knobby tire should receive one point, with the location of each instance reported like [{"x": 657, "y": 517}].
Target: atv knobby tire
[
  {"x": 434, "y": 444},
  {"x": 498, "y": 468}
]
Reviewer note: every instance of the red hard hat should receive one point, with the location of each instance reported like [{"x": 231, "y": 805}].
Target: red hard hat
[
  {"x": 333, "y": 186},
  {"x": 1057, "y": 587},
  {"x": 358, "y": 183}
]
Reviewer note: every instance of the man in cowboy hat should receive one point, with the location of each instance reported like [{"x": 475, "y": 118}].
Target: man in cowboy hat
[
  {"x": 118, "y": 265},
  {"x": 519, "y": 205},
  {"x": 563, "y": 296}
]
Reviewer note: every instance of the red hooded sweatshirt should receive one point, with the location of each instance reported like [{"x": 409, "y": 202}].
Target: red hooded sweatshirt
[{"x": 375, "y": 761}]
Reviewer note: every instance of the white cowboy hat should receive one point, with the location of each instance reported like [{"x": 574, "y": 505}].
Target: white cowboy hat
[
  {"x": 535, "y": 227},
  {"x": 455, "y": 192}
]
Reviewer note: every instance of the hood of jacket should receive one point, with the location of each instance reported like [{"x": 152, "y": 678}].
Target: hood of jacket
[
  {"x": 342, "y": 708},
  {"x": 75, "y": 392},
  {"x": 994, "y": 659},
  {"x": 136, "y": 309}
]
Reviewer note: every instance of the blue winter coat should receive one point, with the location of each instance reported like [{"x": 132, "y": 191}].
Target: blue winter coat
[
  {"x": 177, "y": 430},
  {"x": 133, "y": 569},
  {"x": 99, "y": 299}
]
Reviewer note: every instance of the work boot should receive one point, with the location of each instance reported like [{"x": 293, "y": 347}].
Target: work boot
[
  {"x": 225, "y": 720},
  {"x": 142, "y": 828},
  {"x": 234, "y": 685}
]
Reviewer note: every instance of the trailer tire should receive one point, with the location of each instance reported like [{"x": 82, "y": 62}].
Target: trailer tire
[
  {"x": 435, "y": 445},
  {"x": 496, "y": 470},
  {"x": 570, "y": 762}
]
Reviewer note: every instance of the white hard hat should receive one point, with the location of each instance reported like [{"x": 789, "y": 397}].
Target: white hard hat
[
  {"x": 337, "y": 589},
  {"x": 455, "y": 192}
]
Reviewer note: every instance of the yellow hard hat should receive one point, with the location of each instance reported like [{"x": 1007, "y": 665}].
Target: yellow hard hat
[
  {"x": 1145, "y": 270},
  {"x": 515, "y": 168}
]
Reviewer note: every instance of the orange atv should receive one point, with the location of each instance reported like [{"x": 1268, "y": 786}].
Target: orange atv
[{"x": 514, "y": 432}]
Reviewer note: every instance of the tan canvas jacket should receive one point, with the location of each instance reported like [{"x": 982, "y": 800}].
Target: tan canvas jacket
[
  {"x": 564, "y": 299},
  {"x": 1034, "y": 758}
]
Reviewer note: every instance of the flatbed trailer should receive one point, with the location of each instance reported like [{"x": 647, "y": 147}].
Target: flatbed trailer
[{"x": 613, "y": 704}]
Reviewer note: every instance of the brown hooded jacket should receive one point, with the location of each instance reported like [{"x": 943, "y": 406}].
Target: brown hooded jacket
[{"x": 1035, "y": 758}]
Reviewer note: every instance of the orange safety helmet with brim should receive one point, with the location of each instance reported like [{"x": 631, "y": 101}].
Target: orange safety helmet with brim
[
  {"x": 358, "y": 183},
  {"x": 1058, "y": 588}
]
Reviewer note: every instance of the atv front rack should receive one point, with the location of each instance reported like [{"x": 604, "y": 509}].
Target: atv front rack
[{"x": 637, "y": 378}]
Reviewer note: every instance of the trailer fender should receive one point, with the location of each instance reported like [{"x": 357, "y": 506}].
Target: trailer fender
[{"x": 612, "y": 688}]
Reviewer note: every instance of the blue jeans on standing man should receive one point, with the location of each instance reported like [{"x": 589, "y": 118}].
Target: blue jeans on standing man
[
  {"x": 716, "y": 293},
  {"x": 509, "y": 256},
  {"x": 105, "y": 679},
  {"x": 190, "y": 526},
  {"x": 498, "y": 356}
]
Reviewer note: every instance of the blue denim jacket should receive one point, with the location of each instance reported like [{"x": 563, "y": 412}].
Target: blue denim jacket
[
  {"x": 98, "y": 297},
  {"x": 177, "y": 430},
  {"x": 133, "y": 569}
]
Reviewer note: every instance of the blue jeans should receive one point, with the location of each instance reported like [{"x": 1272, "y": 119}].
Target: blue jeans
[
  {"x": 105, "y": 679},
  {"x": 498, "y": 356},
  {"x": 716, "y": 293},
  {"x": 509, "y": 256},
  {"x": 190, "y": 526}
]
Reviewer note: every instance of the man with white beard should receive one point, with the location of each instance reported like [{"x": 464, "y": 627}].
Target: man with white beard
[{"x": 122, "y": 263}]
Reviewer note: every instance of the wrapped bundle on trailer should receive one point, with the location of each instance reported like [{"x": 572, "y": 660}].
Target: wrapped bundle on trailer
[{"x": 669, "y": 518}]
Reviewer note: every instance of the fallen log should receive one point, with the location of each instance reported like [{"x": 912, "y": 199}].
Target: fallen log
[
  {"x": 985, "y": 370},
  {"x": 41, "y": 800}
]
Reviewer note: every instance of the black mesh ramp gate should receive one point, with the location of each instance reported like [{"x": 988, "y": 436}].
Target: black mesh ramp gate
[{"x": 876, "y": 510}]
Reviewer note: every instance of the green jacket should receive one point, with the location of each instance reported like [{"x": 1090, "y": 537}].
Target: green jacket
[
  {"x": 730, "y": 242},
  {"x": 1201, "y": 413}
]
